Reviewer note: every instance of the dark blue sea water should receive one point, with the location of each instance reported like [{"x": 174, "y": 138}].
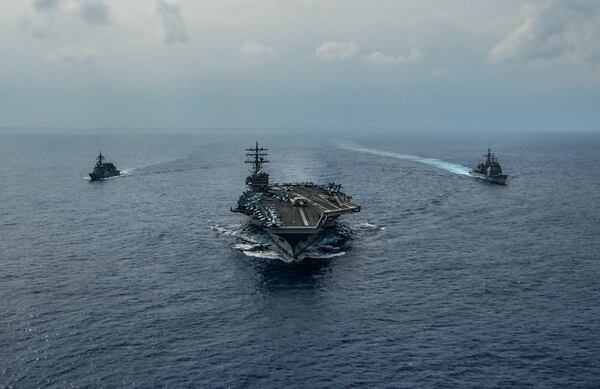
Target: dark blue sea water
[{"x": 447, "y": 281}]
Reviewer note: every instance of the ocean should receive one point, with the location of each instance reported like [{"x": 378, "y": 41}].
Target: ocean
[{"x": 441, "y": 280}]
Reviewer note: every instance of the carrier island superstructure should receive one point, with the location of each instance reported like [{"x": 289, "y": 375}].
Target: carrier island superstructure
[{"x": 293, "y": 214}]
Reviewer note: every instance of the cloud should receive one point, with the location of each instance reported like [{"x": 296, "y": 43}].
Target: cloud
[
  {"x": 254, "y": 50},
  {"x": 439, "y": 72},
  {"x": 552, "y": 29},
  {"x": 336, "y": 51},
  {"x": 378, "y": 58},
  {"x": 94, "y": 11},
  {"x": 73, "y": 54},
  {"x": 173, "y": 26},
  {"x": 46, "y": 5}
]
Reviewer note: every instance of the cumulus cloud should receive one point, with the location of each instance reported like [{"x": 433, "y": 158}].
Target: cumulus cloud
[
  {"x": 254, "y": 50},
  {"x": 336, "y": 51},
  {"x": 172, "y": 23},
  {"x": 94, "y": 11},
  {"x": 46, "y": 5},
  {"x": 378, "y": 58},
  {"x": 552, "y": 29},
  {"x": 73, "y": 54}
]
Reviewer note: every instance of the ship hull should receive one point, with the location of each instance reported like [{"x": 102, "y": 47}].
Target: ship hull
[
  {"x": 500, "y": 180},
  {"x": 293, "y": 245},
  {"x": 98, "y": 177}
]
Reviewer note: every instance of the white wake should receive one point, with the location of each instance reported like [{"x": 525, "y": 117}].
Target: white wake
[{"x": 438, "y": 163}]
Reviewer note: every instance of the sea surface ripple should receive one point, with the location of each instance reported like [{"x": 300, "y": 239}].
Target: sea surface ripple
[{"x": 446, "y": 281}]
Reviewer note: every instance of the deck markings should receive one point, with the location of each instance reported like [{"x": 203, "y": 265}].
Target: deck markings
[{"x": 303, "y": 217}]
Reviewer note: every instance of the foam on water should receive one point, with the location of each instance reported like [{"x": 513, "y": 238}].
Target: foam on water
[
  {"x": 254, "y": 242},
  {"x": 265, "y": 254},
  {"x": 435, "y": 162},
  {"x": 368, "y": 226},
  {"x": 317, "y": 255},
  {"x": 246, "y": 246},
  {"x": 226, "y": 230},
  {"x": 125, "y": 172},
  {"x": 249, "y": 240}
]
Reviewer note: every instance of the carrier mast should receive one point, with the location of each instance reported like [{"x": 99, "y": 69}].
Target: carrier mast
[{"x": 257, "y": 181}]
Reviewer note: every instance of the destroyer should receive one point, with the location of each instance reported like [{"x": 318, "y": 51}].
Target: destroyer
[
  {"x": 103, "y": 169},
  {"x": 293, "y": 214},
  {"x": 490, "y": 170}
]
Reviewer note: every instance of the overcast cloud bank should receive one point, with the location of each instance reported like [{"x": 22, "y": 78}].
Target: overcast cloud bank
[
  {"x": 554, "y": 29},
  {"x": 510, "y": 64},
  {"x": 173, "y": 26}
]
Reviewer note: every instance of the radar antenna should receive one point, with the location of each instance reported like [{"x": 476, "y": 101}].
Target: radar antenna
[
  {"x": 489, "y": 157},
  {"x": 257, "y": 181},
  {"x": 257, "y": 157},
  {"x": 100, "y": 159}
]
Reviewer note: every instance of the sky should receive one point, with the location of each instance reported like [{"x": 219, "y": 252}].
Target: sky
[{"x": 496, "y": 65}]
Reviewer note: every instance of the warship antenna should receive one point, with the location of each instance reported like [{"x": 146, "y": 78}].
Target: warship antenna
[{"x": 256, "y": 156}]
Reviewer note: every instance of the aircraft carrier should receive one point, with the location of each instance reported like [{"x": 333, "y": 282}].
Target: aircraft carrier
[{"x": 293, "y": 214}]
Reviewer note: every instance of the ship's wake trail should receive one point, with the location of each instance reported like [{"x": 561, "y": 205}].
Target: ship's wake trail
[{"x": 438, "y": 163}]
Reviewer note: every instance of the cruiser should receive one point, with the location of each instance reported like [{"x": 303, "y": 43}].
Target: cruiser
[
  {"x": 103, "y": 169},
  {"x": 293, "y": 214},
  {"x": 490, "y": 170}
]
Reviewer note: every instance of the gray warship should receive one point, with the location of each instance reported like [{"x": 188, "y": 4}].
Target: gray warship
[
  {"x": 293, "y": 214},
  {"x": 490, "y": 170},
  {"x": 103, "y": 169}
]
